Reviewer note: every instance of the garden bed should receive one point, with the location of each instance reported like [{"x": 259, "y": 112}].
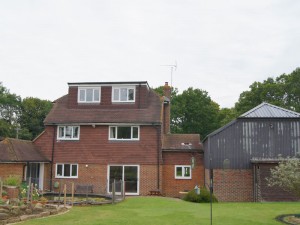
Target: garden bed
[
  {"x": 15, "y": 213},
  {"x": 292, "y": 219}
]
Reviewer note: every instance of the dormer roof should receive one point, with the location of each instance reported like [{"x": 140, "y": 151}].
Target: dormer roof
[{"x": 112, "y": 113}]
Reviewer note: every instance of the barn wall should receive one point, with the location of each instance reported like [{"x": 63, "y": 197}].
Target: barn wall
[
  {"x": 265, "y": 193},
  {"x": 236, "y": 144}
]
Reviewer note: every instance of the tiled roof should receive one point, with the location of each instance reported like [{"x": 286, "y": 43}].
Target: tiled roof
[
  {"x": 60, "y": 113},
  {"x": 15, "y": 150},
  {"x": 266, "y": 110},
  {"x": 181, "y": 142}
]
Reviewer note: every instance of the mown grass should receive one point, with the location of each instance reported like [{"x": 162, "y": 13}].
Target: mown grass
[{"x": 168, "y": 211}]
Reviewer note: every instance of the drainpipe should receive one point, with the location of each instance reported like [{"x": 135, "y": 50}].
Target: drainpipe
[
  {"x": 158, "y": 155},
  {"x": 139, "y": 106},
  {"x": 52, "y": 158}
]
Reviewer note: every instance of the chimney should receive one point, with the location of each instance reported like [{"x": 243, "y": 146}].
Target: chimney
[{"x": 167, "y": 111}]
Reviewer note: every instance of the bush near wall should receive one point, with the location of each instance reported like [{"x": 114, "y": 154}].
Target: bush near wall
[{"x": 203, "y": 197}]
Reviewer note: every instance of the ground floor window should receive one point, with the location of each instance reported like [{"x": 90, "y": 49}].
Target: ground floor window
[
  {"x": 128, "y": 173},
  {"x": 183, "y": 172},
  {"x": 65, "y": 170}
]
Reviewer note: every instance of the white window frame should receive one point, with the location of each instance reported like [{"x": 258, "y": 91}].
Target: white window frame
[
  {"x": 63, "y": 168},
  {"x": 183, "y": 169},
  {"x": 119, "y": 94},
  {"x": 66, "y": 138},
  {"x": 85, "y": 90},
  {"x": 123, "y": 139}
]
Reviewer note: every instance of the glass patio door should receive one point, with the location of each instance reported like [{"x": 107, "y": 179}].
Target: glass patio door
[{"x": 130, "y": 174}]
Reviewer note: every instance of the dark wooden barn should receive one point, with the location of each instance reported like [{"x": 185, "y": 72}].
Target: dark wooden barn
[{"x": 242, "y": 152}]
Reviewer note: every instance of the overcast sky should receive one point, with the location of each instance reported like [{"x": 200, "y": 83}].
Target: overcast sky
[{"x": 221, "y": 46}]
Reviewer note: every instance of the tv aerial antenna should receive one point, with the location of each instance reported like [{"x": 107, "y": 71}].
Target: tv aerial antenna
[{"x": 172, "y": 67}]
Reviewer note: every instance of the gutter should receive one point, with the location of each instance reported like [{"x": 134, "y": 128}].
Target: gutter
[{"x": 52, "y": 157}]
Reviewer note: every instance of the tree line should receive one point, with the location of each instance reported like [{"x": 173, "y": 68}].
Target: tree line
[
  {"x": 21, "y": 118},
  {"x": 192, "y": 111}
]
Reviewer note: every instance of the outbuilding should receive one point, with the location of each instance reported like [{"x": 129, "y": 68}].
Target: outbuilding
[{"x": 240, "y": 154}]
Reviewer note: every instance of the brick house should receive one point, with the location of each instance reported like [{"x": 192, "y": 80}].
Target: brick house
[
  {"x": 23, "y": 159},
  {"x": 241, "y": 153},
  {"x": 105, "y": 131}
]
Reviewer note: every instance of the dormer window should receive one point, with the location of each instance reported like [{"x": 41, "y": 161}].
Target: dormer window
[
  {"x": 89, "y": 95},
  {"x": 123, "y": 94}
]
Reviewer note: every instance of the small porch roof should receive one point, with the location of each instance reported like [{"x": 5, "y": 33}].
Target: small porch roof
[
  {"x": 15, "y": 150},
  {"x": 182, "y": 142}
]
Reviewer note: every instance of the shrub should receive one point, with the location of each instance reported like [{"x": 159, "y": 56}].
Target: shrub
[
  {"x": 12, "y": 180},
  {"x": 4, "y": 193},
  {"x": 204, "y": 196},
  {"x": 25, "y": 188}
]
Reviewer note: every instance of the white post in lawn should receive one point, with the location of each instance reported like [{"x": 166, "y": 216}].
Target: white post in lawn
[
  {"x": 113, "y": 191},
  {"x": 65, "y": 195},
  {"x": 72, "y": 193}
]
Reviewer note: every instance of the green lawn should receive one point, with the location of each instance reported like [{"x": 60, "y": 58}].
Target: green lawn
[{"x": 167, "y": 211}]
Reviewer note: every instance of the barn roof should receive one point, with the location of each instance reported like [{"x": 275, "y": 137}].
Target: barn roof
[
  {"x": 266, "y": 110},
  {"x": 15, "y": 150}
]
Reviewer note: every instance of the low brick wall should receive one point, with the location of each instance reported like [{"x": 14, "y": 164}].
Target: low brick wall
[{"x": 233, "y": 185}]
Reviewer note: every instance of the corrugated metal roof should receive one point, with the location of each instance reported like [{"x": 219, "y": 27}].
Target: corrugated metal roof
[{"x": 266, "y": 110}]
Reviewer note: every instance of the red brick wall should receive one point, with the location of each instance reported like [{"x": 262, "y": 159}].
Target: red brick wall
[
  {"x": 45, "y": 141},
  {"x": 93, "y": 174},
  {"x": 96, "y": 175},
  {"x": 94, "y": 147},
  {"x": 232, "y": 185},
  {"x": 7, "y": 169},
  {"x": 148, "y": 178},
  {"x": 172, "y": 186}
]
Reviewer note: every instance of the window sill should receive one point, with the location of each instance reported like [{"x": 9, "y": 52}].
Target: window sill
[
  {"x": 183, "y": 178},
  {"x": 58, "y": 140},
  {"x": 123, "y": 140},
  {"x": 130, "y": 102}
]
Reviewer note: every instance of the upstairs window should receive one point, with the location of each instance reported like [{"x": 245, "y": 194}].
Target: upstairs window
[
  {"x": 183, "y": 172},
  {"x": 124, "y": 133},
  {"x": 66, "y": 170},
  {"x": 123, "y": 94},
  {"x": 89, "y": 95},
  {"x": 68, "y": 133}
]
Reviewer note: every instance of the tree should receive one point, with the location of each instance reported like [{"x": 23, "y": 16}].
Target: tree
[
  {"x": 9, "y": 106},
  {"x": 33, "y": 113},
  {"x": 21, "y": 119},
  {"x": 286, "y": 175},
  {"x": 292, "y": 91},
  {"x": 193, "y": 111},
  {"x": 226, "y": 115},
  {"x": 282, "y": 91},
  {"x": 9, "y": 112}
]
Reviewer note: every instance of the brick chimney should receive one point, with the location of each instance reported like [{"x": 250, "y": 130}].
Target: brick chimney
[{"x": 167, "y": 111}]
